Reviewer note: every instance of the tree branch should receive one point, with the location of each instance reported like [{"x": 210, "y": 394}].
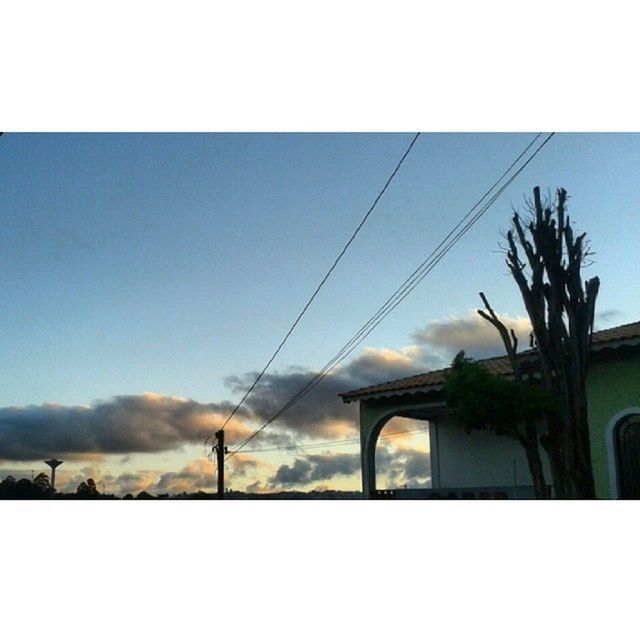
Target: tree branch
[{"x": 509, "y": 340}]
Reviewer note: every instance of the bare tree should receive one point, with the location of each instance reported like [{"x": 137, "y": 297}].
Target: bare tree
[{"x": 545, "y": 257}]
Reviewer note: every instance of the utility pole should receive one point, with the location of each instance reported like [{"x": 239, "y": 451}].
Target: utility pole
[{"x": 220, "y": 453}]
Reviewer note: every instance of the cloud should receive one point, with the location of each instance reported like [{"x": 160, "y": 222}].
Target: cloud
[
  {"x": 134, "y": 482},
  {"x": 153, "y": 423},
  {"x": 17, "y": 473},
  {"x": 256, "y": 487},
  {"x": 198, "y": 475},
  {"x": 398, "y": 467},
  {"x": 314, "y": 468},
  {"x": 68, "y": 481},
  {"x": 605, "y": 317},
  {"x": 125, "y": 424},
  {"x": 374, "y": 366},
  {"x": 474, "y": 334},
  {"x": 321, "y": 414},
  {"x": 241, "y": 464},
  {"x": 195, "y": 476},
  {"x": 298, "y": 473}
]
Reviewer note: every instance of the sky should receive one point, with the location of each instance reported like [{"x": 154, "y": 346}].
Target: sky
[{"x": 145, "y": 278}]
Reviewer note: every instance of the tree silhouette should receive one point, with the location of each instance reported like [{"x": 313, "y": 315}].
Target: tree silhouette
[
  {"x": 8, "y": 487},
  {"x": 87, "y": 489},
  {"x": 42, "y": 482},
  {"x": 93, "y": 490},
  {"x": 545, "y": 257}
]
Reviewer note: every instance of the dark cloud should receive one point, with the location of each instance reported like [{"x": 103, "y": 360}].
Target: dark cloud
[
  {"x": 321, "y": 413},
  {"x": 399, "y": 466},
  {"x": 374, "y": 366},
  {"x": 313, "y": 468},
  {"x": 411, "y": 467},
  {"x": 299, "y": 473},
  {"x": 316, "y": 415},
  {"x": 125, "y": 424}
]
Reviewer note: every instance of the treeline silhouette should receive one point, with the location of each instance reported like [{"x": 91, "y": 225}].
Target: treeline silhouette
[{"x": 40, "y": 489}]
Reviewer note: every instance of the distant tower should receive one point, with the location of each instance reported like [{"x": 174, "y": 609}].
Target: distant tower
[{"x": 53, "y": 463}]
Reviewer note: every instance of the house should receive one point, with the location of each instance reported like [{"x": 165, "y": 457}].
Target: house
[{"x": 484, "y": 464}]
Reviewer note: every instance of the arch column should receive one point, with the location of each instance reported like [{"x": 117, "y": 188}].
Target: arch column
[
  {"x": 375, "y": 413},
  {"x": 368, "y": 466},
  {"x": 371, "y": 423}
]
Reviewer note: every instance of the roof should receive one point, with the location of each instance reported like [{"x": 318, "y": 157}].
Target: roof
[
  {"x": 624, "y": 335},
  {"x": 627, "y": 332}
]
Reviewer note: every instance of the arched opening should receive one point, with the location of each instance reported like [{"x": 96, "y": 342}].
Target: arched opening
[
  {"x": 402, "y": 455},
  {"x": 626, "y": 447}
]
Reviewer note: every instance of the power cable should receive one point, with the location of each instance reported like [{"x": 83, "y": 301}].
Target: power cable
[
  {"x": 350, "y": 347},
  {"x": 322, "y": 282},
  {"x": 408, "y": 286},
  {"x": 404, "y": 290},
  {"x": 333, "y": 443}
]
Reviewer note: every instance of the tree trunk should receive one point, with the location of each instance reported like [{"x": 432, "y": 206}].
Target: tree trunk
[{"x": 537, "y": 472}]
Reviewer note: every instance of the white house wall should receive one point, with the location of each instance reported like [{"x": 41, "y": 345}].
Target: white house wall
[{"x": 478, "y": 459}]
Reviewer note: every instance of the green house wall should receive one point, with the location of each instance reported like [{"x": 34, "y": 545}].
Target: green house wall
[{"x": 612, "y": 387}]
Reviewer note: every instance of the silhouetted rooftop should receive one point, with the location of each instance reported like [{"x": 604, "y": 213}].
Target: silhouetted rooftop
[{"x": 623, "y": 335}]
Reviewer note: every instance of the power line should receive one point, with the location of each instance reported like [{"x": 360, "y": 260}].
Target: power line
[
  {"x": 410, "y": 283},
  {"x": 450, "y": 240},
  {"x": 322, "y": 282},
  {"x": 333, "y": 443},
  {"x": 433, "y": 259}
]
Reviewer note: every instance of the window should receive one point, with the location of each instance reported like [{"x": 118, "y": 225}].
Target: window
[{"x": 627, "y": 455}]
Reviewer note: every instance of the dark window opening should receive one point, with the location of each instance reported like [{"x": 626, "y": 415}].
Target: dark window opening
[{"x": 627, "y": 449}]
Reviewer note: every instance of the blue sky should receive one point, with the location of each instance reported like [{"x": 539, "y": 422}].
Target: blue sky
[{"x": 169, "y": 263}]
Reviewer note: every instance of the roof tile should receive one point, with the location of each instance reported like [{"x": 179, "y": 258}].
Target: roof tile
[{"x": 498, "y": 365}]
